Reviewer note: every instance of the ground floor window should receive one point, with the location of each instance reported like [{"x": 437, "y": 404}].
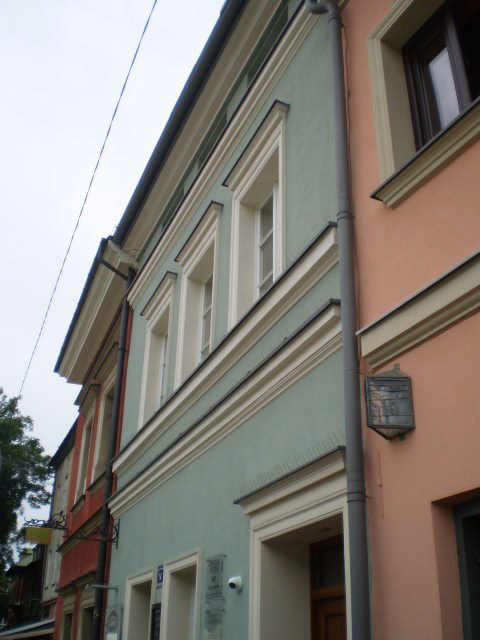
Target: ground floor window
[
  {"x": 67, "y": 626},
  {"x": 86, "y": 623},
  {"x": 181, "y": 598},
  {"x": 138, "y": 603},
  {"x": 467, "y": 525}
]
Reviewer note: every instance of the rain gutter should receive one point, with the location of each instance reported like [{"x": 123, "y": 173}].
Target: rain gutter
[{"x": 356, "y": 497}]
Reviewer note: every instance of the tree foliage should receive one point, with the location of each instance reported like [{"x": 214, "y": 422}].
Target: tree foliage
[{"x": 24, "y": 473}]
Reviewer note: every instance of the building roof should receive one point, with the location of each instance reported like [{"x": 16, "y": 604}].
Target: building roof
[
  {"x": 65, "y": 446},
  {"x": 200, "y": 72}
]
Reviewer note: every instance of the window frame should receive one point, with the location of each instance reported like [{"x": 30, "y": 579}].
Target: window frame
[
  {"x": 84, "y": 458},
  {"x": 178, "y": 565},
  {"x": 133, "y": 580},
  {"x": 425, "y": 117},
  {"x": 193, "y": 259},
  {"x": 260, "y": 170},
  {"x": 157, "y": 313},
  {"x": 108, "y": 387},
  {"x": 402, "y": 169}
]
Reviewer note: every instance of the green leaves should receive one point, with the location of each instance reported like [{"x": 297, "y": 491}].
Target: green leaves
[{"x": 24, "y": 472}]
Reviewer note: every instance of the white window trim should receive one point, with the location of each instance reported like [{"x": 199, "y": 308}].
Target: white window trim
[
  {"x": 310, "y": 495},
  {"x": 89, "y": 418},
  {"x": 185, "y": 561},
  {"x": 304, "y": 274},
  {"x": 108, "y": 385},
  {"x": 158, "y": 305},
  {"x": 258, "y": 240},
  {"x": 269, "y": 139},
  {"x": 204, "y": 236},
  {"x": 132, "y": 580}
]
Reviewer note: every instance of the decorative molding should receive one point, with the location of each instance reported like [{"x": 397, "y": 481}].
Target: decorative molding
[
  {"x": 236, "y": 129},
  {"x": 314, "y": 344},
  {"x": 447, "y": 144},
  {"x": 313, "y": 494},
  {"x": 159, "y": 306},
  {"x": 449, "y": 299},
  {"x": 202, "y": 239},
  {"x": 393, "y": 123},
  {"x": 138, "y": 577},
  {"x": 185, "y": 561},
  {"x": 309, "y": 269},
  {"x": 97, "y": 314},
  {"x": 255, "y": 166}
]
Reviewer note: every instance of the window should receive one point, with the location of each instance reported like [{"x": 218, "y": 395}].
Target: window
[
  {"x": 155, "y": 373},
  {"x": 442, "y": 63},
  {"x": 104, "y": 435},
  {"x": 257, "y": 182},
  {"x": 206, "y": 321},
  {"x": 197, "y": 301},
  {"x": 181, "y": 598},
  {"x": 265, "y": 245},
  {"x": 86, "y": 623},
  {"x": 67, "y": 626},
  {"x": 467, "y": 524},
  {"x": 84, "y": 456},
  {"x": 424, "y": 60},
  {"x": 139, "y": 596}
]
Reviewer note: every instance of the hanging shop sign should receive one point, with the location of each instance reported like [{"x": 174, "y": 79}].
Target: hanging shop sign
[{"x": 38, "y": 535}]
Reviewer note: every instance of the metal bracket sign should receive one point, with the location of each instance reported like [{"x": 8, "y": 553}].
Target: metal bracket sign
[{"x": 388, "y": 397}]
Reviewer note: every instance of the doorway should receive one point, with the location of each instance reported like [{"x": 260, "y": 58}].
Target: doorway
[{"x": 327, "y": 590}]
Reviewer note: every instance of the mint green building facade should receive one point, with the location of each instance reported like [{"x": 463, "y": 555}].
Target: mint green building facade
[{"x": 231, "y": 462}]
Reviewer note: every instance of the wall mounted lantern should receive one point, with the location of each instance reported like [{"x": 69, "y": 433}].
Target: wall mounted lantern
[{"x": 388, "y": 397}]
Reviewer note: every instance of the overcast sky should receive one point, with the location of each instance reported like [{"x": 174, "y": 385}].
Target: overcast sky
[{"x": 62, "y": 65}]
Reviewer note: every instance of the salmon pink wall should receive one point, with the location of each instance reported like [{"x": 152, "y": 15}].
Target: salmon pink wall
[
  {"x": 436, "y": 227},
  {"x": 412, "y": 484}
]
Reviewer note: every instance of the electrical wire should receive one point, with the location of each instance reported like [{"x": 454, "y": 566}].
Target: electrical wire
[{"x": 86, "y": 196}]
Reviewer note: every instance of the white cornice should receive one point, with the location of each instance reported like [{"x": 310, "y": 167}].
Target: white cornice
[
  {"x": 236, "y": 129},
  {"x": 97, "y": 313},
  {"x": 291, "y": 287},
  {"x": 311, "y": 474},
  {"x": 451, "y": 298},
  {"x": 318, "y": 341}
]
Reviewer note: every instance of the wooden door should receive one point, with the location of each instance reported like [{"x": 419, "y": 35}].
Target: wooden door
[{"x": 328, "y": 590}]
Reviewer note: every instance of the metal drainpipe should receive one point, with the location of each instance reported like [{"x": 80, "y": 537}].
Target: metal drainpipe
[
  {"x": 102, "y": 546},
  {"x": 356, "y": 498}
]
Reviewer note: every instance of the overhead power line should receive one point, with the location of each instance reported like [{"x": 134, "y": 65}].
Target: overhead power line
[{"x": 102, "y": 148}]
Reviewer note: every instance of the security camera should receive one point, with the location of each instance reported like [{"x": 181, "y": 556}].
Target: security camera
[{"x": 235, "y": 583}]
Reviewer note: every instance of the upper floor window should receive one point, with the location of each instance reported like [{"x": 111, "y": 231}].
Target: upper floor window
[
  {"x": 103, "y": 432},
  {"x": 265, "y": 261},
  {"x": 197, "y": 301},
  {"x": 257, "y": 181},
  {"x": 206, "y": 323},
  {"x": 158, "y": 314},
  {"x": 84, "y": 457},
  {"x": 442, "y": 64}
]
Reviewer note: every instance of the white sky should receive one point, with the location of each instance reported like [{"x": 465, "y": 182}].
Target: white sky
[{"x": 62, "y": 65}]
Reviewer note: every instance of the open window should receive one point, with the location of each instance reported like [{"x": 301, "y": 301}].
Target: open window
[
  {"x": 257, "y": 182},
  {"x": 157, "y": 343},
  {"x": 198, "y": 297},
  {"x": 181, "y": 598}
]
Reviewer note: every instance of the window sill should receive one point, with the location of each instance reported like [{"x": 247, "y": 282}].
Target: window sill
[{"x": 431, "y": 157}]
